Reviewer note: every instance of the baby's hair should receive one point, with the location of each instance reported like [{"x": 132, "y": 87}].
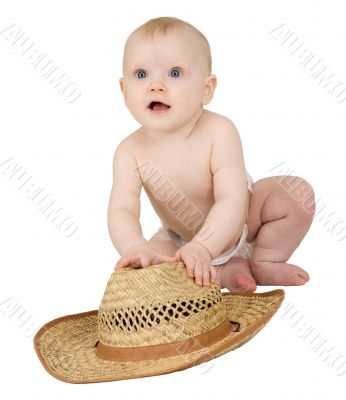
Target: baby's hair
[{"x": 162, "y": 25}]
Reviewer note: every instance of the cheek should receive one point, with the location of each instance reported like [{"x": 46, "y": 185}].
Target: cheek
[
  {"x": 134, "y": 95},
  {"x": 189, "y": 95},
  {"x": 135, "y": 92}
]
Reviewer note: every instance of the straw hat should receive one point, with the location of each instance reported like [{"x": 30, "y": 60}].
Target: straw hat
[{"x": 151, "y": 321}]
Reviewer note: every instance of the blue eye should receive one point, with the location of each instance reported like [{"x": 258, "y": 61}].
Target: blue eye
[
  {"x": 141, "y": 74},
  {"x": 175, "y": 73}
]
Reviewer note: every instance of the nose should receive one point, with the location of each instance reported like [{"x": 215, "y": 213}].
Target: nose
[{"x": 157, "y": 86}]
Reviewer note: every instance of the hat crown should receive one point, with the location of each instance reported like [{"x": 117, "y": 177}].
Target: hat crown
[{"x": 158, "y": 304}]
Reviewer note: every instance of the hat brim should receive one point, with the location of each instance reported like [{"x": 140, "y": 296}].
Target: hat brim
[{"x": 66, "y": 345}]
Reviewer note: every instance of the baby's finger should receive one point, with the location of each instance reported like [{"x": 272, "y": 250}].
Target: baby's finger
[
  {"x": 205, "y": 274},
  {"x": 199, "y": 273},
  {"x": 212, "y": 273},
  {"x": 118, "y": 265},
  {"x": 124, "y": 262},
  {"x": 190, "y": 266}
]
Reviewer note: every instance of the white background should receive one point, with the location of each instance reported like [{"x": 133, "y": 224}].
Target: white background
[{"x": 283, "y": 116}]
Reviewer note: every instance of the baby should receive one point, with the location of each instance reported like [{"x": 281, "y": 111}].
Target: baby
[{"x": 188, "y": 160}]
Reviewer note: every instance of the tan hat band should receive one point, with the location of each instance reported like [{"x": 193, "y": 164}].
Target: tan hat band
[{"x": 158, "y": 351}]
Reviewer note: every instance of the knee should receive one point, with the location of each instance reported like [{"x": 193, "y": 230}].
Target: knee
[{"x": 299, "y": 198}]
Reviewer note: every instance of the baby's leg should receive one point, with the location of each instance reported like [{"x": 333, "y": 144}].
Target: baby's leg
[
  {"x": 235, "y": 275},
  {"x": 161, "y": 242},
  {"x": 279, "y": 217}
]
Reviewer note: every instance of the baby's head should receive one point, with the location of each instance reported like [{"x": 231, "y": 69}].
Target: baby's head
[{"x": 166, "y": 60}]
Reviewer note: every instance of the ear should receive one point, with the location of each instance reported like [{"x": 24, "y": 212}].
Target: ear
[
  {"x": 209, "y": 88},
  {"x": 122, "y": 85}
]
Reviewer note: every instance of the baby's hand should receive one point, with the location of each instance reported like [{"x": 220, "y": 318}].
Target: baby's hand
[
  {"x": 198, "y": 263},
  {"x": 142, "y": 255}
]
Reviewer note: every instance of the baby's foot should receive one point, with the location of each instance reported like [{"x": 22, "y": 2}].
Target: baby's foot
[
  {"x": 235, "y": 275},
  {"x": 279, "y": 273}
]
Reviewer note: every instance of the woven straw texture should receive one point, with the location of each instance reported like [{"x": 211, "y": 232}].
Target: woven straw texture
[
  {"x": 66, "y": 346},
  {"x": 159, "y": 305}
]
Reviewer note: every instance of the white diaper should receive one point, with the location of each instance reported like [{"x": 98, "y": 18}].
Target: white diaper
[
  {"x": 241, "y": 249},
  {"x": 249, "y": 181}
]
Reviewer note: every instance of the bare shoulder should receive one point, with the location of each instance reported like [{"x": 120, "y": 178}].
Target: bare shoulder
[
  {"x": 220, "y": 126},
  {"x": 129, "y": 143},
  {"x": 226, "y": 143}
]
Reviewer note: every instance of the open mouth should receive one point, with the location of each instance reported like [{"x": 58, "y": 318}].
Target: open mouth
[{"x": 158, "y": 105}]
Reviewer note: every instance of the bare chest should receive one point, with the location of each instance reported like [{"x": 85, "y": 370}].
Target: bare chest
[{"x": 176, "y": 178}]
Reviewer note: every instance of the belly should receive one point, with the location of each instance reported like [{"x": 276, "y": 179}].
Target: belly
[{"x": 185, "y": 215}]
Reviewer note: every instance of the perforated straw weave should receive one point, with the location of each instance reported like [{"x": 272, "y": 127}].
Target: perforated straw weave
[
  {"x": 156, "y": 306},
  {"x": 151, "y": 321}
]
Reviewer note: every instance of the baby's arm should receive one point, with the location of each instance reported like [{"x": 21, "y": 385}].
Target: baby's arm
[
  {"x": 124, "y": 203},
  {"x": 230, "y": 191},
  {"x": 124, "y": 212}
]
